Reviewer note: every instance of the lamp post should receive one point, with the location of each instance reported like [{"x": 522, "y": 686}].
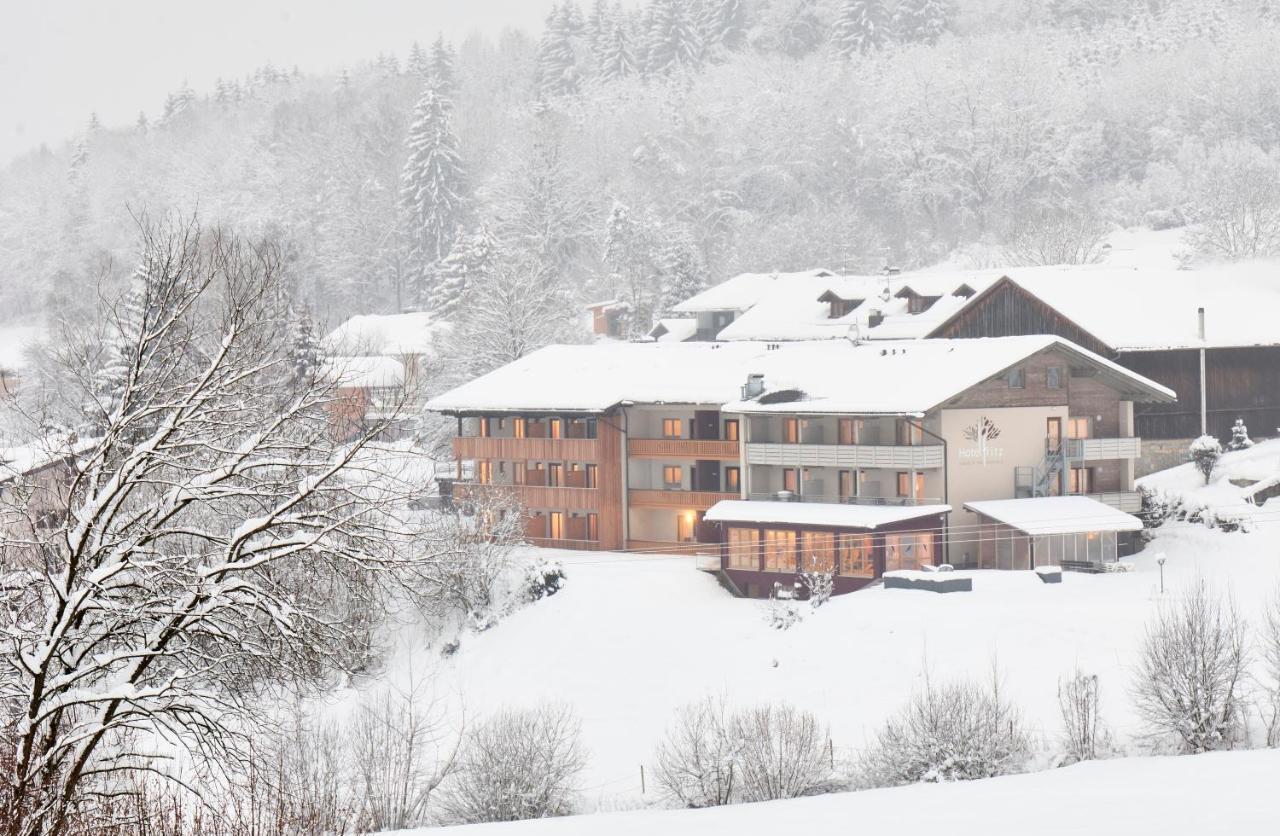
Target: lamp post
[{"x": 1160, "y": 562}]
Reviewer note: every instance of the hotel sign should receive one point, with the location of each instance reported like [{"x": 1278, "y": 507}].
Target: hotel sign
[{"x": 982, "y": 451}]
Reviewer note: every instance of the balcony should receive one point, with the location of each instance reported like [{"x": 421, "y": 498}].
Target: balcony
[
  {"x": 1094, "y": 449},
  {"x": 535, "y": 496},
  {"x": 784, "y": 496},
  {"x": 1128, "y": 501},
  {"x": 897, "y": 457},
  {"x": 469, "y": 447},
  {"x": 680, "y": 500},
  {"x": 684, "y": 448}
]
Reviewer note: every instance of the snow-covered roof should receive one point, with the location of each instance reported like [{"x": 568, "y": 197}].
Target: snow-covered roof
[
  {"x": 22, "y": 459},
  {"x": 909, "y": 376},
  {"x": 364, "y": 372},
  {"x": 742, "y": 292},
  {"x": 388, "y": 335},
  {"x": 819, "y": 513},
  {"x": 828, "y": 376},
  {"x": 1056, "y": 515},
  {"x": 674, "y": 330}
]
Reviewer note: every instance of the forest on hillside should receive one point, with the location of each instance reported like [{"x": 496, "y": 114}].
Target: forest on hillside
[{"x": 644, "y": 151}]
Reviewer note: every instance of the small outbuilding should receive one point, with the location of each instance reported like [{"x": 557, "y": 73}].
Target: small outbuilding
[{"x": 1070, "y": 531}]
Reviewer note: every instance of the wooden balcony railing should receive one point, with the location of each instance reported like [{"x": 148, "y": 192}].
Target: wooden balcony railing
[
  {"x": 471, "y": 447},
  {"x": 683, "y": 500},
  {"x": 688, "y": 448},
  {"x": 536, "y": 497}
]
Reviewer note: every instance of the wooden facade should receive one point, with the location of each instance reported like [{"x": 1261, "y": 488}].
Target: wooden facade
[{"x": 1240, "y": 382}]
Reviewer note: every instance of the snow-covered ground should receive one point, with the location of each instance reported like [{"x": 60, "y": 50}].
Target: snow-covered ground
[
  {"x": 1217, "y": 793},
  {"x": 1239, "y": 474},
  {"x": 630, "y": 638}
]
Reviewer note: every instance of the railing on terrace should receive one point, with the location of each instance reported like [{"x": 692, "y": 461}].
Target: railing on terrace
[
  {"x": 784, "y": 496},
  {"x": 900, "y": 456},
  {"x": 1090, "y": 449}
]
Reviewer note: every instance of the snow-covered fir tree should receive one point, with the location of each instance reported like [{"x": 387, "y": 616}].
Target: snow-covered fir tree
[
  {"x": 469, "y": 263},
  {"x": 178, "y": 103},
  {"x": 304, "y": 349},
  {"x": 557, "y": 64},
  {"x": 617, "y": 60},
  {"x": 417, "y": 64},
  {"x": 1240, "y": 439},
  {"x": 723, "y": 24},
  {"x": 140, "y": 126},
  {"x": 672, "y": 41},
  {"x": 433, "y": 192},
  {"x": 683, "y": 273},
  {"x": 441, "y": 67},
  {"x": 921, "y": 21},
  {"x": 861, "y": 26},
  {"x": 632, "y": 250}
]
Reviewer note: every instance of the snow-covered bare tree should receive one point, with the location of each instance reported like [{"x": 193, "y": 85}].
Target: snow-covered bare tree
[
  {"x": 1083, "y": 731},
  {"x": 1056, "y": 237},
  {"x": 784, "y": 753},
  {"x": 197, "y": 550},
  {"x": 1234, "y": 205},
  {"x": 698, "y": 756},
  {"x": 1189, "y": 681},
  {"x": 1269, "y": 653},
  {"x": 516, "y": 764}
]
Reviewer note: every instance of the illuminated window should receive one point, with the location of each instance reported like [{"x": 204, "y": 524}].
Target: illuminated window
[
  {"x": 1081, "y": 480},
  {"x": 553, "y": 475},
  {"x": 593, "y": 526},
  {"x": 850, "y": 430},
  {"x": 904, "y": 485},
  {"x": 790, "y": 479},
  {"x": 910, "y": 434},
  {"x": 592, "y": 476},
  {"x": 744, "y": 549},
  {"x": 818, "y": 551},
  {"x": 557, "y": 428},
  {"x": 484, "y": 427},
  {"x": 790, "y": 430},
  {"x": 846, "y": 484},
  {"x": 732, "y": 479},
  {"x": 484, "y": 472},
  {"x": 1077, "y": 428},
  {"x": 779, "y": 551},
  {"x": 556, "y": 527},
  {"x": 517, "y": 428},
  {"x": 731, "y": 429},
  {"x": 854, "y": 551},
  {"x": 671, "y": 427},
  {"x": 673, "y": 477}
]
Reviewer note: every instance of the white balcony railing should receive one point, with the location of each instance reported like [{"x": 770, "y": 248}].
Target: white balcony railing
[
  {"x": 900, "y": 457},
  {"x": 1093, "y": 449},
  {"x": 1128, "y": 501}
]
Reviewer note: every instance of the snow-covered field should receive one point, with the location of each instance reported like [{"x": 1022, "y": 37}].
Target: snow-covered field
[
  {"x": 1238, "y": 473},
  {"x": 630, "y": 638},
  {"x": 1217, "y": 793}
]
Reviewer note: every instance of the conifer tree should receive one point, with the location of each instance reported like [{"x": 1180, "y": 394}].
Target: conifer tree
[
  {"x": 557, "y": 63},
  {"x": 441, "y": 68},
  {"x": 920, "y": 21},
  {"x": 141, "y": 125},
  {"x": 419, "y": 65},
  {"x": 304, "y": 349},
  {"x": 682, "y": 271},
  {"x": 860, "y": 26},
  {"x": 617, "y": 60},
  {"x": 469, "y": 263},
  {"x": 723, "y": 24},
  {"x": 672, "y": 38},
  {"x": 433, "y": 188}
]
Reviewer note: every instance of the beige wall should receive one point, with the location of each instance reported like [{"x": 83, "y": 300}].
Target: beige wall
[{"x": 972, "y": 478}]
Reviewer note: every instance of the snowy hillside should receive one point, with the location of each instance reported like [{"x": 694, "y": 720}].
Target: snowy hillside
[
  {"x": 1132, "y": 796},
  {"x": 1239, "y": 475},
  {"x": 631, "y": 638}
]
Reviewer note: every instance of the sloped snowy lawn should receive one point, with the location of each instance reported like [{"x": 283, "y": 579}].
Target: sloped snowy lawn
[
  {"x": 1232, "y": 792},
  {"x": 631, "y": 638},
  {"x": 1259, "y": 463}
]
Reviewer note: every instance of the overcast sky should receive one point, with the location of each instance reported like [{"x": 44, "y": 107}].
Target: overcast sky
[{"x": 61, "y": 60}]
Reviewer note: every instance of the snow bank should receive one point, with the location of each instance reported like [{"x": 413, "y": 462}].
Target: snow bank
[{"x": 1216, "y": 793}]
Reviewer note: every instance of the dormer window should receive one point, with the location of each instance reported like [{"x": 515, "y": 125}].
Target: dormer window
[{"x": 839, "y": 305}]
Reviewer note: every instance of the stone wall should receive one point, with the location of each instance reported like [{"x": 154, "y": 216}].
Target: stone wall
[{"x": 1161, "y": 453}]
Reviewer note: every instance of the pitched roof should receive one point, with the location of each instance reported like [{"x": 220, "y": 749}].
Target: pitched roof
[
  {"x": 388, "y": 335},
  {"x": 743, "y": 291},
  {"x": 674, "y": 330},
  {"x": 1056, "y": 515},
  {"x": 837, "y": 515},
  {"x": 363, "y": 372},
  {"x": 829, "y": 376}
]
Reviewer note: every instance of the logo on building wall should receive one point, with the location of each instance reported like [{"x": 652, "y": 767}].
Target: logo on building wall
[{"x": 982, "y": 432}]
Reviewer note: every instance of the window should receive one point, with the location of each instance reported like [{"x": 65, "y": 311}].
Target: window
[
  {"x": 484, "y": 426},
  {"x": 593, "y": 524},
  {"x": 744, "y": 549},
  {"x": 517, "y": 473},
  {"x": 732, "y": 479},
  {"x": 854, "y": 551},
  {"x": 731, "y": 429},
  {"x": 907, "y": 551},
  {"x": 904, "y": 485},
  {"x": 593, "y": 428},
  {"x": 592, "y": 476},
  {"x": 502, "y": 423},
  {"x": 1017, "y": 378},
  {"x": 790, "y": 479},
  {"x": 517, "y": 428},
  {"x": 484, "y": 472},
  {"x": 850, "y": 430},
  {"x": 557, "y": 428},
  {"x": 556, "y": 527},
  {"x": 910, "y": 434},
  {"x": 553, "y": 475},
  {"x": 673, "y": 477},
  {"x": 1053, "y": 377},
  {"x": 671, "y": 427},
  {"x": 818, "y": 551},
  {"x": 790, "y": 430},
  {"x": 779, "y": 550},
  {"x": 1077, "y": 428},
  {"x": 1081, "y": 480}
]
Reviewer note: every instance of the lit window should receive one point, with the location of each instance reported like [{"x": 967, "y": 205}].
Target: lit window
[
  {"x": 818, "y": 551},
  {"x": 854, "y": 551},
  {"x": 789, "y": 479},
  {"x": 731, "y": 429},
  {"x": 850, "y": 430},
  {"x": 732, "y": 479},
  {"x": 1077, "y": 428},
  {"x": 517, "y": 428},
  {"x": 557, "y": 428},
  {"x": 779, "y": 551},
  {"x": 673, "y": 477},
  {"x": 790, "y": 430},
  {"x": 904, "y": 485},
  {"x": 744, "y": 549},
  {"x": 592, "y": 476},
  {"x": 671, "y": 427},
  {"x": 593, "y": 525}
]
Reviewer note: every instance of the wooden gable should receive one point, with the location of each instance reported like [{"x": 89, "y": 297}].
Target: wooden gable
[{"x": 1005, "y": 309}]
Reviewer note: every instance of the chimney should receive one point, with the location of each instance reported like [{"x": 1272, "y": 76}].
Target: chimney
[
  {"x": 1200, "y": 314},
  {"x": 754, "y": 387},
  {"x": 874, "y": 318}
]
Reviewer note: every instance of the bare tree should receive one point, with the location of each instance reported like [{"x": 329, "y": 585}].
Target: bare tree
[
  {"x": 1191, "y": 668},
  {"x": 516, "y": 765},
  {"x": 197, "y": 547},
  {"x": 1083, "y": 731},
  {"x": 783, "y": 753},
  {"x": 1235, "y": 201},
  {"x": 1058, "y": 237},
  {"x": 1270, "y": 652},
  {"x": 697, "y": 761},
  {"x": 955, "y": 732}
]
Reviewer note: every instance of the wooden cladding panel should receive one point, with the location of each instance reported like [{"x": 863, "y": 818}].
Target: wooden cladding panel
[
  {"x": 1006, "y": 310},
  {"x": 527, "y": 449},
  {"x": 689, "y": 448},
  {"x": 690, "y": 500},
  {"x": 537, "y": 497},
  {"x": 609, "y": 443},
  {"x": 1240, "y": 383}
]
